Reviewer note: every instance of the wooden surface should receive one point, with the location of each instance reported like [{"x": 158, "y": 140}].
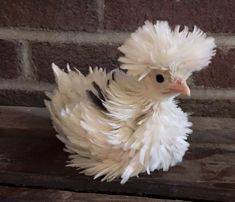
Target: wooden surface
[
  {"x": 31, "y": 156},
  {"x": 17, "y": 194}
]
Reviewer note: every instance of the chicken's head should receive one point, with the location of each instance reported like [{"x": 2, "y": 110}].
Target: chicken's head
[
  {"x": 163, "y": 59},
  {"x": 159, "y": 85}
]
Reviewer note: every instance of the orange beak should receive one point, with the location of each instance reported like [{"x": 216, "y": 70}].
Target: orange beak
[{"x": 179, "y": 86}]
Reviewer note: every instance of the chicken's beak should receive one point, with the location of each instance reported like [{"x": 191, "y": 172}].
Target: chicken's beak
[{"x": 179, "y": 86}]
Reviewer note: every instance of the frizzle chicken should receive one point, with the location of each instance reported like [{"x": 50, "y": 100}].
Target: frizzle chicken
[{"x": 121, "y": 124}]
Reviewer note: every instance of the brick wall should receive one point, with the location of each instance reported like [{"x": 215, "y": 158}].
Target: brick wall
[{"x": 33, "y": 34}]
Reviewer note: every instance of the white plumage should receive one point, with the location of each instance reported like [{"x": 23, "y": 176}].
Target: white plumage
[{"x": 121, "y": 124}]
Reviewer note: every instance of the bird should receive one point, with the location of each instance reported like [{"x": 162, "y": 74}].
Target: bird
[{"x": 119, "y": 124}]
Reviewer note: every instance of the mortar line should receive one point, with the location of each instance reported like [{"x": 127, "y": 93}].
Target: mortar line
[
  {"x": 107, "y": 37},
  {"x": 210, "y": 94},
  {"x": 25, "y": 60},
  {"x": 63, "y": 37},
  {"x": 28, "y": 85}
]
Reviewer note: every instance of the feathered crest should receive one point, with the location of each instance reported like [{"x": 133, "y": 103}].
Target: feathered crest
[{"x": 159, "y": 47}]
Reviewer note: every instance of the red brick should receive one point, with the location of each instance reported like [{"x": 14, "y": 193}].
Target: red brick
[
  {"x": 50, "y": 14},
  {"x": 21, "y": 98},
  {"x": 9, "y": 66},
  {"x": 206, "y": 107},
  {"x": 209, "y": 15},
  {"x": 79, "y": 56},
  {"x": 220, "y": 73}
]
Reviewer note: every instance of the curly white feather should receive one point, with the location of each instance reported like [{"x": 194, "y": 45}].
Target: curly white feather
[
  {"x": 134, "y": 136},
  {"x": 159, "y": 47}
]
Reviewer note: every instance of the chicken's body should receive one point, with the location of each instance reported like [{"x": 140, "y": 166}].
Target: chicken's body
[
  {"x": 120, "y": 134},
  {"x": 121, "y": 124}
]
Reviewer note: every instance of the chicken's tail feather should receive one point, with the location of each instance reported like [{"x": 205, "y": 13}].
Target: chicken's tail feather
[
  {"x": 57, "y": 71},
  {"x": 108, "y": 169}
]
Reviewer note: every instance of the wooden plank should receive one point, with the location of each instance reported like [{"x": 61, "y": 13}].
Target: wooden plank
[
  {"x": 36, "y": 159},
  {"x": 17, "y": 194},
  {"x": 36, "y": 121},
  {"x": 204, "y": 174}
]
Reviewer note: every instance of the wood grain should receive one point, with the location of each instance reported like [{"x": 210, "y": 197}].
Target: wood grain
[{"x": 18, "y": 194}]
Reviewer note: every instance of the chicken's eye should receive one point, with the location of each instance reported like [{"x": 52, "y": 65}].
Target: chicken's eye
[{"x": 159, "y": 78}]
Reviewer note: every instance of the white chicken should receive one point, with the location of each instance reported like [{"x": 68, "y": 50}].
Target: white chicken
[{"x": 121, "y": 124}]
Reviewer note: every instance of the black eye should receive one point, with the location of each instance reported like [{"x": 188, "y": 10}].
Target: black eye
[{"x": 159, "y": 78}]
